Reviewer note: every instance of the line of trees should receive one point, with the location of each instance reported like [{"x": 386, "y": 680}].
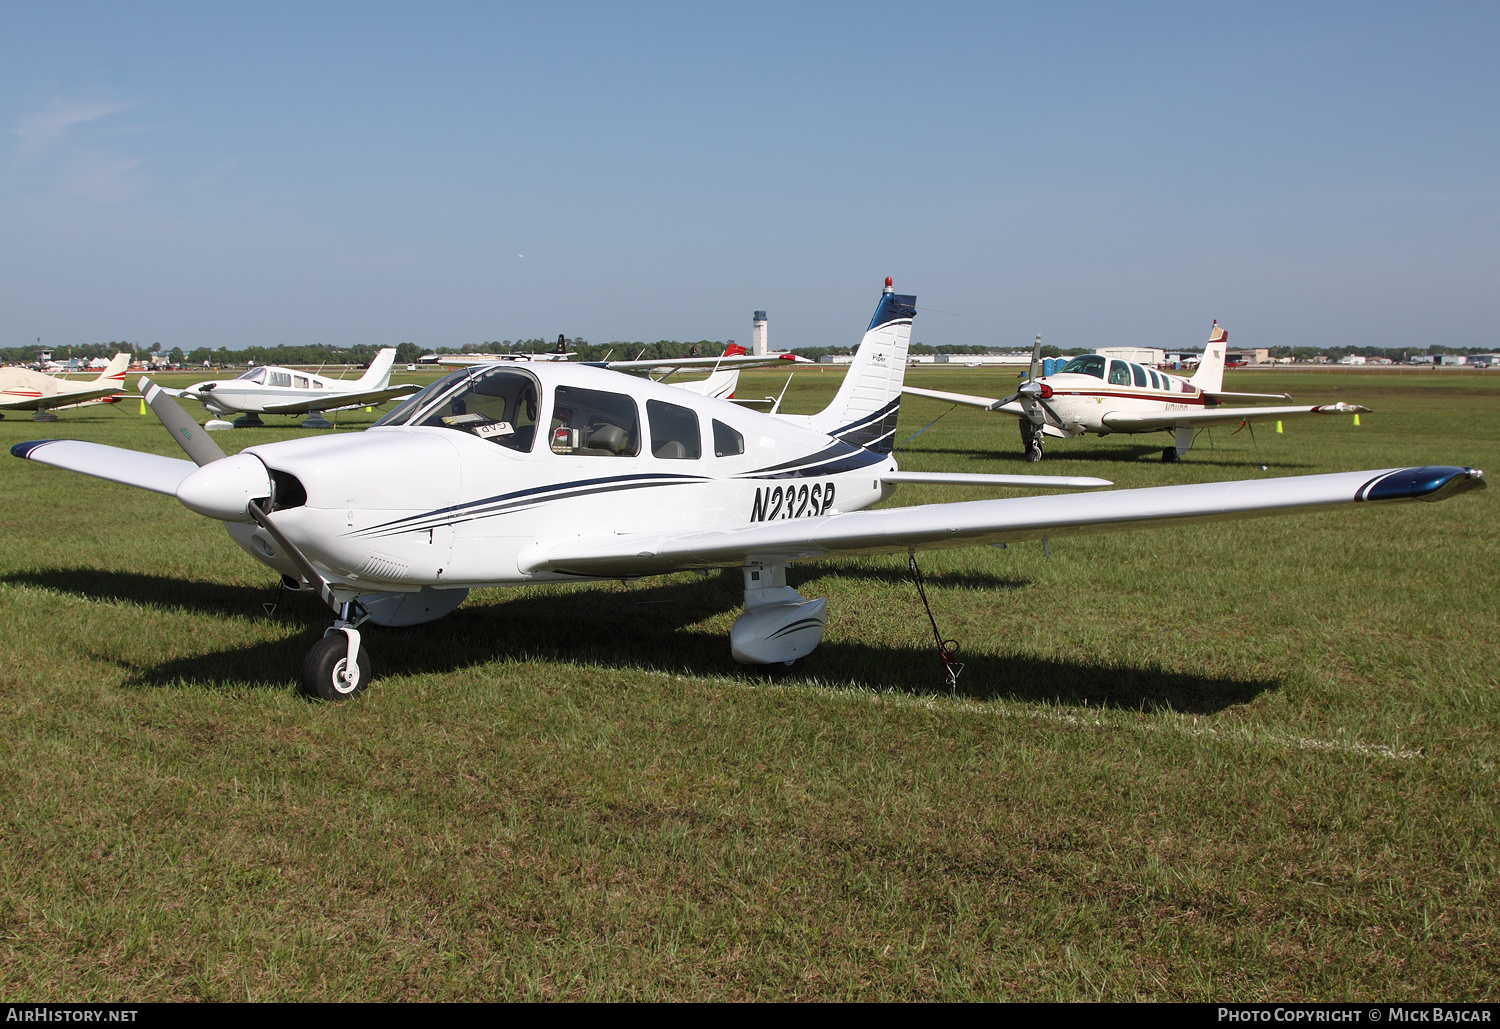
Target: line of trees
[{"x": 408, "y": 353}]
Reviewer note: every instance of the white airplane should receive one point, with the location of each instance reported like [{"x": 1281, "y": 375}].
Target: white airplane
[
  {"x": 1101, "y": 395},
  {"x": 519, "y": 474},
  {"x": 22, "y": 389},
  {"x": 270, "y": 389}
]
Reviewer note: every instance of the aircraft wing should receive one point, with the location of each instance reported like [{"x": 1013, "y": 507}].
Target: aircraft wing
[
  {"x": 1123, "y": 422},
  {"x": 127, "y": 467},
  {"x": 342, "y": 401},
  {"x": 988, "y": 403},
  {"x": 939, "y": 526},
  {"x": 58, "y": 399},
  {"x": 732, "y": 361}
]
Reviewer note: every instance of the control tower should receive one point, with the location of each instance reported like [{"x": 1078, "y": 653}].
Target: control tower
[{"x": 758, "y": 334}]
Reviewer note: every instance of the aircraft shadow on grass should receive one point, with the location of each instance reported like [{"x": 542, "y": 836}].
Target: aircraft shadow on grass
[{"x": 631, "y": 628}]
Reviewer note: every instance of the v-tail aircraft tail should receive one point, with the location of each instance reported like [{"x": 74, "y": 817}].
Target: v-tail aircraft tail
[{"x": 863, "y": 413}]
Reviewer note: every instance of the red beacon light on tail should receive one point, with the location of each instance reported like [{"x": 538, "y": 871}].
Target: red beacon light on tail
[{"x": 888, "y": 284}]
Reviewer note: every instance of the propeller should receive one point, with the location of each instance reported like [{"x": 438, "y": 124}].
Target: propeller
[
  {"x": 188, "y": 433},
  {"x": 230, "y": 489},
  {"x": 1031, "y": 387}
]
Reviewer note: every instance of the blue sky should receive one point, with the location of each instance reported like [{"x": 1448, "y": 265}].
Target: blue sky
[{"x": 443, "y": 174}]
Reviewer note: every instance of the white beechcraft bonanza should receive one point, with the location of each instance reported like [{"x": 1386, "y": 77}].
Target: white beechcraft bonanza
[
  {"x": 1101, "y": 395},
  {"x": 512, "y": 474},
  {"x": 22, "y": 389},
  {"x": 273, "y": 390}
]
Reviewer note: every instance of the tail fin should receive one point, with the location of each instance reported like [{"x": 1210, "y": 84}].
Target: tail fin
[
  {"x": 1210, "y": 374},
  {"x": 115, "y": 373},
  {"x": 378, "y": 375},
  {"x": 720, "y": 384},
  {"x": 733, "y": 350},
  {"x": 864, "y": 410}
]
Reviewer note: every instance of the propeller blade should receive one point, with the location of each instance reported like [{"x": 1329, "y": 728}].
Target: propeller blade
[
  {"x": 1036, "y": 357},
  {"x": 298, "y": 558},
  {"x": 188, "y": 433}
]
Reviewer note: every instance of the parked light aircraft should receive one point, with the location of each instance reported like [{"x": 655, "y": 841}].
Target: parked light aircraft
[
  {"x": 514, "y": 474},
  {"x": 1101, "y": 395},
  {"x": 22, "y": 389},
  {"x": 273, "y": 390}
]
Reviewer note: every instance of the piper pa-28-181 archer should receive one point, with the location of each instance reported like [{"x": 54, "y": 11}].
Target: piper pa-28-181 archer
[
  {"x": 22, "y": 389},
  {"x": 513, "y": 474},
  {"x": 1100, "y": 395},
  {"x": 273, "y": 390}
]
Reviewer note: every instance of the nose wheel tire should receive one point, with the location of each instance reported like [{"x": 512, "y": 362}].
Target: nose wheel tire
[{"x": 323, "y": 669}]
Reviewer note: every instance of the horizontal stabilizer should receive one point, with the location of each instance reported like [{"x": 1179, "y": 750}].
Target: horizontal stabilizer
[
  {"x": 127, "y": 467},
  {"x": 938, "y": 526},
  {"x": 1129, "y": 422},
  {"x": 969, "y": 479}
]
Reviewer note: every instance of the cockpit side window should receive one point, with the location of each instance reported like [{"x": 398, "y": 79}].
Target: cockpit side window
[
  {"x": 1140, "y": 375},
  {"x": 593, "y": 423},
  {"x": 280, "y": 379},
  {"x": 674, "y": 432},
  {"x": 727, "y": 441},
  {"x": 1119, "y": 373},
  {"x": 495, "y": 404},
  {"x": 1088, "y": 364}
]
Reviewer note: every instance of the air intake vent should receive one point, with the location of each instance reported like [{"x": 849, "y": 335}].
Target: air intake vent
[
  {"x": 289, "y": 491},
  {"x": 381, "y": 567}
]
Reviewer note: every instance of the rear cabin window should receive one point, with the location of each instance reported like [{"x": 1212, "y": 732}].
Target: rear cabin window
[
  {"x": 1119, "y": 373},
  {"x": 300, "y": 381},
  {"x": 592, "y": 423},
  {"x": 1155, "y": 382},
  {"x": 727, "y": 442},
  {"x": 497, "y": 404},
  {"x": 1140, "y": 375},
  {"x": 674, "y": 432},
  {"x": 1088, "y": 364}
]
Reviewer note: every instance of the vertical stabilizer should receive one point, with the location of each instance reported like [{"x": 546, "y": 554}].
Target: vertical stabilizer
[
  {"x": 864, "y": 411},
  {"x": 115, "y": 373},
  {"x": 1210, "y": 374},
  {"x": 378, "y": 375}
]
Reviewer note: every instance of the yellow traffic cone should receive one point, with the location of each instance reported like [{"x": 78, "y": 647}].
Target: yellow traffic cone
[
  {"x": 143, "y": 405},
  {"x": 1278, "y": 426},
  {"x": 368, "y": 410},
  {"x": 1356, "y": 419}
]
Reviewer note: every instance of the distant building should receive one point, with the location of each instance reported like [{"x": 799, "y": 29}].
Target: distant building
[
  {"x": 1452, "y": 359},
  {"x": 1261, "y": 355},
  {"x": 758, "y": 334},
  {"x": 1140, "y": 355},
  {"x": 1351, "y": 359}
]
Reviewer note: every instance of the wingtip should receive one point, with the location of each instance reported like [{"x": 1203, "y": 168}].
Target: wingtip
[{"x": 25, "y": 449}]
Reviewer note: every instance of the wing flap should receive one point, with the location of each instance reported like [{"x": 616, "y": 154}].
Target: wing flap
[
  {"x": 939, "y": 526},
  {"x": 1128, "y": 422},
  {"x": 127, "y": 467}
]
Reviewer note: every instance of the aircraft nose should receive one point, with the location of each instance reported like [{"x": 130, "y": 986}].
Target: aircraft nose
[{"x": 223, "y": 489}]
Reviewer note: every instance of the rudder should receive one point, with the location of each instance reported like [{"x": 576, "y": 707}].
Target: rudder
[{"x": 864, "y": 411}]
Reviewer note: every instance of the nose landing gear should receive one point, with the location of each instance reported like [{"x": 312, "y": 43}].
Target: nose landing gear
[
  {"x": 337, "y": 667},
  {"x": 1031, "y": 440}
]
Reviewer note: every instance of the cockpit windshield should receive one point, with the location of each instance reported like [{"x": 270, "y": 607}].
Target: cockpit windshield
[
  {"x": 1088, "y": 364},
  {"x": 253, "y": 375},
  {"x": 497, "y": 404}
]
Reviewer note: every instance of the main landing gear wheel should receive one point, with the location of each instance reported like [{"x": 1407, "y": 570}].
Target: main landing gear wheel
[
  {"x": 323, "y": 669},
  {"x": 1169, "y": 455}
]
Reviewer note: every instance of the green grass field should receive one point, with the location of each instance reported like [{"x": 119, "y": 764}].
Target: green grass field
[{"x": 1250, "y": 760}]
